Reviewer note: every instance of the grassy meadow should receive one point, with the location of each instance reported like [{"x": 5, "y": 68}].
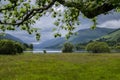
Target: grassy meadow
[{"x": 60, "y": 66}]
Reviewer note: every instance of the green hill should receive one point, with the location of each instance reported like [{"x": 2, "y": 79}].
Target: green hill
[
  {"x": 114, "y": 36},
  {"x": 83, "y": 36},
  {"x": 52, "y": 43},
  {"x": 87, "y": 34},
  {"x": 111, "y": 37}
]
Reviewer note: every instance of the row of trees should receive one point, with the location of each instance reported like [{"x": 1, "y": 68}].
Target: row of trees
[
  {"x": 12, "y": 47},
  {"x": 94, "y": 47}
]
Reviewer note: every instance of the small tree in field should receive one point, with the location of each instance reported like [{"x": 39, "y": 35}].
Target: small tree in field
[
  {"x": 68, "y": 47},
  {"x": 31, "y": 46},
  {"x": 98, "y": 47}
]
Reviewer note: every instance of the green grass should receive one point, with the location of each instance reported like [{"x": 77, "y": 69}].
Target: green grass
[{"x": 60, "y": 67}]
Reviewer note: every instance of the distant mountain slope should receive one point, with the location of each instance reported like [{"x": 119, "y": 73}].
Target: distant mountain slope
[
  {"x": 8, "y": 36},
  {"x": 113, "y": 36},
  {"x": 54, "y": 43},
  {"x": 82, "y": 37},
  {"x": 88, "y": 34}
]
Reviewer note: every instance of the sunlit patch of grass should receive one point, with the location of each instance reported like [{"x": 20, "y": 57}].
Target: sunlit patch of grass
[{"x": 60, "y": 67}]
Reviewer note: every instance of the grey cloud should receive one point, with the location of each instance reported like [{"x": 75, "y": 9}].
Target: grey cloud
[
  {"x": 111, "y": 20},
  {"x": 111, "y": 24},
  {"x": 111, "y": 16}
]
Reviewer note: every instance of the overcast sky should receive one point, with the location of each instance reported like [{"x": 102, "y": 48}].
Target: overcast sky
[{"x": 111, "y": 20}]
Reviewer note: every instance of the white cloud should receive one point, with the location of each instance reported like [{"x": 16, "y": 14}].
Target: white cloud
[{"x": 111, "y": 24}]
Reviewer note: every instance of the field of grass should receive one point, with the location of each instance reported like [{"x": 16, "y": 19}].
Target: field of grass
[{"x": 60, "y": 67}]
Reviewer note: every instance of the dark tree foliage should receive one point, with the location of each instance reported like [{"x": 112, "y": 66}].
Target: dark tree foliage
[
  {"x": 31, "y": 46},
  {"x": 7, "y": 47},
  {"x": 18, "y": 47},
  {"x": 67, "y": 47},
  {"x": 10, "y": 47},
  {"x": 98, "y": 47}
]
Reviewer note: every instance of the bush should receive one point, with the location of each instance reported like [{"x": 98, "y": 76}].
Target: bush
[
  {"x": 98, "y": 47},
  {"x": 7, "y": 47},
  {"x": 10, "y": 47},
  {"x": 68, "y": 47},
  {"x": 44, "y": 51},
  {"x": 31, "y": 46},
  {"x": 27, "y": 46},
  {"x": 19, "y": 47}
]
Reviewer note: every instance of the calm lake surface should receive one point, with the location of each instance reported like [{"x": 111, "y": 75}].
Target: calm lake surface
[
  {"x": 52, "y": 51},
  {"x": 47, "y": 51}
]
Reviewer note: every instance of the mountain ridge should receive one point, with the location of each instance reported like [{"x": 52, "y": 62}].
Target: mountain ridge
[
  {"x": 113, "y": 36},
  {"x": 10, "y": 37},
  {"x": 83, "y": 36}
]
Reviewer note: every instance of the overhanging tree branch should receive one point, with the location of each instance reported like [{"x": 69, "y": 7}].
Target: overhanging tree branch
[
  {"x": 92, "y": 11},
  {"x": 31, "y": 13},
  {"x": 89, "y": 12}
]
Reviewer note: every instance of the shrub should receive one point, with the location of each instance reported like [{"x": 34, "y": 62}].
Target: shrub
[
  {"x": 10, "y": 47},
  {"x": 31, "y": 46},
  {"x": 19, "y": 48},
  {"x": 44, "y": 51},
  {"x": 68, "y": 47},
  {"x": 7, "y": 47},
  {"x": 98, "y": 47},
  {"x": 117, "y": 48}
]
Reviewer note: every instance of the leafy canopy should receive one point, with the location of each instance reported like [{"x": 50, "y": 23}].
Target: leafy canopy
[
  {"x": 67, "y": 47},
  {"x": 98, "y": 47},
  {"x": 24, "y": 13},
  {"x": 10, "y": 47}
]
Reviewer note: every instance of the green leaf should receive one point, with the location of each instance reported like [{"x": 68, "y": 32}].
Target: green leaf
[
  {"x": 38, "y": 36},
  {"x": 54, "y": 29},
  {"x": 57, "y": 35},
  {"x": 93, "y": 27}
]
